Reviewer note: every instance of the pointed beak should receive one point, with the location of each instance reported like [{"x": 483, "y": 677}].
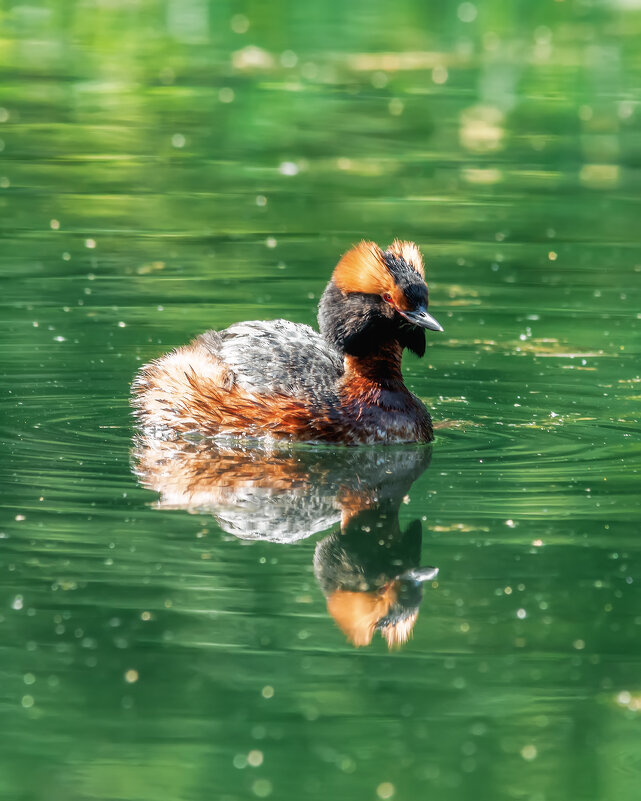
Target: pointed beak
[
  {"x": 419, "y": 574},
  {"x": 422, "y": 318}
]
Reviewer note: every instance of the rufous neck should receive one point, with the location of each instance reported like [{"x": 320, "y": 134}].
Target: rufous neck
[{"x": 382, "y": 368}]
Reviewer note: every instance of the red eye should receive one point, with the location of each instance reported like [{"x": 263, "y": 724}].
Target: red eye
[{"x": 387, "y": 297}]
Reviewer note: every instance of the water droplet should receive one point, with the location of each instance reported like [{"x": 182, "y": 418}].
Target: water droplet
[
  {"x": 239, "y": 23},
  {"x": 529, "y": 752},
  {"x": 288, "y": 168},
  {"x": 289, "y": 59},
  {"x": 262, "y": 788},
  {"x": 440, "y": 74},
  {"x": 467, "y": 12}
]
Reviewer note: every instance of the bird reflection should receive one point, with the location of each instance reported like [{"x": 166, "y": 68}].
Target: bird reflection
[{"x": 368, "y": 568}]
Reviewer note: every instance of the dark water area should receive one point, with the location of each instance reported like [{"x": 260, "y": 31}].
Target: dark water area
[{"x": 180, "y": 620}]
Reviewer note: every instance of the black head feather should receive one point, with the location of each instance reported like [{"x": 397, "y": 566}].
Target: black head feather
[
  {"x": 353, "y": 321},
  {"x": 406, "y": 278},
  {"x": 360, "y": 324},
  {"x": 413, "y": 338}
]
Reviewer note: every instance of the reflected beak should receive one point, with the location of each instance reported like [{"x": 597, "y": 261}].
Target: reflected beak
[
  {"x": 419, "y": 574},
  {"x": 422, "y": 318}
]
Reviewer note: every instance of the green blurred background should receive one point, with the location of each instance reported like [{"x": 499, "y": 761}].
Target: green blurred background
[{"x": 166, "y": 167}]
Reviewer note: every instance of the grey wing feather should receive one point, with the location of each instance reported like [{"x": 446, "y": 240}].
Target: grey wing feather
[{"x": 277, "y": 356}]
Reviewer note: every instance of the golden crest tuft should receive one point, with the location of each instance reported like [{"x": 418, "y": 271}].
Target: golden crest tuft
[
  {"x": 356, "y": 614},
  {"x": 398, "y": 633},
  {"x": 362, "y": 269},
  {"x": 410, "y": 253}
]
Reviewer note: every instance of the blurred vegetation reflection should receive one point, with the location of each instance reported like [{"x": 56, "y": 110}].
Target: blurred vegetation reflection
[{"x": 170, "y": 166}]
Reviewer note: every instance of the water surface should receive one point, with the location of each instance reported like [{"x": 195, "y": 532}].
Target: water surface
[{"x": 169, "y": 167}]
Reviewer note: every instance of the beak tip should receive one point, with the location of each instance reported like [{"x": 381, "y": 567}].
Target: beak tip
[
  {"x": 434, "y": 324},
  {"x": 420, "y": 574}
]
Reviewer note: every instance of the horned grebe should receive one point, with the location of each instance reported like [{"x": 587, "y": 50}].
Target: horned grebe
[{"x": 283, "y": 380}]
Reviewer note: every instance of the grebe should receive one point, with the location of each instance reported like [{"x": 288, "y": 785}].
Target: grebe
[{"x": 283, "y": 380}]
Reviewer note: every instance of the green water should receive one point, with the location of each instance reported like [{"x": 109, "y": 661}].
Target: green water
[{"x": 167, "y": 167}]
